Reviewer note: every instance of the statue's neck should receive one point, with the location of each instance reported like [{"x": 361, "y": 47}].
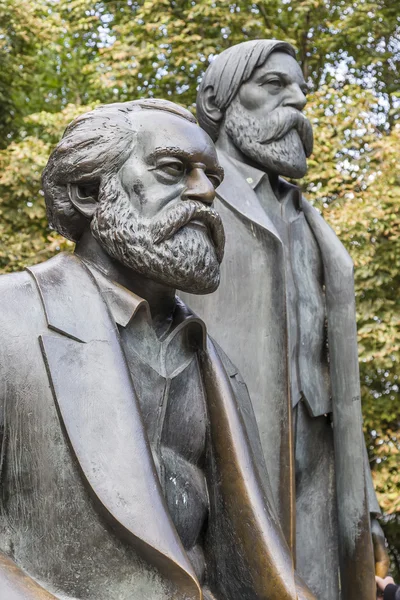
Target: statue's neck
[{"x": 161, "y": 299}]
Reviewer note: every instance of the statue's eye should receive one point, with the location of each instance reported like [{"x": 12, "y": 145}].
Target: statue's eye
[
  {"x": 215, "y": 179},
  {"x": 273, "y": 83},
  {"x": 171, "y": 166}
]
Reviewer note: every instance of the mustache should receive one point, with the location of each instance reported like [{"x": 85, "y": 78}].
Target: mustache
[
  {"x": 174, "y": 218},
  {"x": 282, "y": 120}
]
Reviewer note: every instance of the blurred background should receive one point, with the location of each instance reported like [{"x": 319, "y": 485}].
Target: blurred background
[{"x": 61, "y": 58}]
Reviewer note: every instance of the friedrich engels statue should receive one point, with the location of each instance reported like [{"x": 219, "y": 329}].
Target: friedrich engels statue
[
  {"x": 131, "y": 466},
  {"x": 285, "y": 313}
]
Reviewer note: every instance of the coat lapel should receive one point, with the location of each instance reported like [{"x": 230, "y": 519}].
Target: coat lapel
[
  {"x": 100, "y": 413},
  {"x": 238, "y": 194}
]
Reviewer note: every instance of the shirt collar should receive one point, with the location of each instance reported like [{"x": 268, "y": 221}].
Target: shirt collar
[
  {"x": 124, "y": 305},
  {"x": 251, "y": 174},
  {"x": 255, "y": 176}
]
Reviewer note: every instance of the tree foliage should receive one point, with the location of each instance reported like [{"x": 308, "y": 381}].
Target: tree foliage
[{"x": 59, "y": 59}]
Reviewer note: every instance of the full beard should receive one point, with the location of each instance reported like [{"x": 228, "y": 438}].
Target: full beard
[
  {"x": 168, "y": 248},
  {"x": 279, "y": 144}
]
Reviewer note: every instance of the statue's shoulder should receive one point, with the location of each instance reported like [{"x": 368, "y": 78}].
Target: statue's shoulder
[
  {"x": 315, "y": 217},
  {"x": 238, "y": 384},
  {"x": 19, "y": 299},
  {"x": 308, "y": 208},
  {"x": 16, "y": 285},
  {"x": 20, "y": 315},
  {"x": 230, "y": 368},
  {"x": 19, "y": 281},
  {"x": 328, "y": 241}
]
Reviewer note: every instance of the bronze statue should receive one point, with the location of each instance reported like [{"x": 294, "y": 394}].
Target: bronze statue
[
  {"x": 131, "y": 466},
  {"x": 285, "y": 313}
]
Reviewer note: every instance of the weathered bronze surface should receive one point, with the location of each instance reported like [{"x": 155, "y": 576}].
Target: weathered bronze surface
[
  {"x": 131, "y": 464},
  {"x": 285, "y": 313}
]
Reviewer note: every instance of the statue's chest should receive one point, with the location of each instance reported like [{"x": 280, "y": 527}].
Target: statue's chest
[
  {"x": 175, "y": 418},
  {"x": 170, "y": 390}
]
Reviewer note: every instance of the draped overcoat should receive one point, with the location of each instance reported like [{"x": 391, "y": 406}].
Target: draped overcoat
[{"x": 247, "y": 316}]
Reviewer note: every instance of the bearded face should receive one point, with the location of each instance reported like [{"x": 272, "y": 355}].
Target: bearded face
[
  {"x": 279, "y": 143},
  {"x": 180, "y": 247}
]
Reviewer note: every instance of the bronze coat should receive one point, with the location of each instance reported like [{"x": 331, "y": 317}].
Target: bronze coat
[
  {"x": 79, "y": 486},
  {"x": 247, "y": 316}
]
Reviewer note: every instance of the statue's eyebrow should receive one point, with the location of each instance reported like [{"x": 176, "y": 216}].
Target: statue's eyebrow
[
  {"x": 263, "y": 78},
  {"x": 283, "y": 76},
  {"x": 173, "y": 151},
  {"x": 178, "y": 153}
]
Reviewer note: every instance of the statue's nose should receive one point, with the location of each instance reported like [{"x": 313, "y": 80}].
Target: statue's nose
[
  {"x": 295, "y": 97},
  {"x": 199, "y": 187}
]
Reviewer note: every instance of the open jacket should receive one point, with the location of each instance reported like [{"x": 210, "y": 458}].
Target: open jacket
[
  {"x": 82, "y": 511},
  {"x": 247, "y": 316}
]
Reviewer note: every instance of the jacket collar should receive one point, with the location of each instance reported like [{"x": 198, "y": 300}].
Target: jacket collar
[
  {"x": 238, "y": 191},
  {"x": 251, "y": 174},
  {"x": 124, "y": 305},
  {"x": 254, "y": 177}
]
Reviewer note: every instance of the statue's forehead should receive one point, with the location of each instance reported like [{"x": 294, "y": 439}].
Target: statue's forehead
[
  {"x": 163, "y": 132},
  {"x": 281, "y": 62}
]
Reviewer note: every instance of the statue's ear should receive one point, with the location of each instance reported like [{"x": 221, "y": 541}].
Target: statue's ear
[
  {"x": 207, "y": 101},
  {"x": 84, "y": 197}
]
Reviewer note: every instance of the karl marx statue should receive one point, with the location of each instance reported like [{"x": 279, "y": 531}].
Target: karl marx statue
[
  {"x": 286, "y": 302},
  {"x": 131, "y": 467}
]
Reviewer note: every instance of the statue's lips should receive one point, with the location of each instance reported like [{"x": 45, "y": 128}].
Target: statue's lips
[
  {"x": 202, "y": 226},
  {"x": 199, "y": 224},
  {"x": 287, "y": 120},
  {"x": 192, "y": 214}
]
